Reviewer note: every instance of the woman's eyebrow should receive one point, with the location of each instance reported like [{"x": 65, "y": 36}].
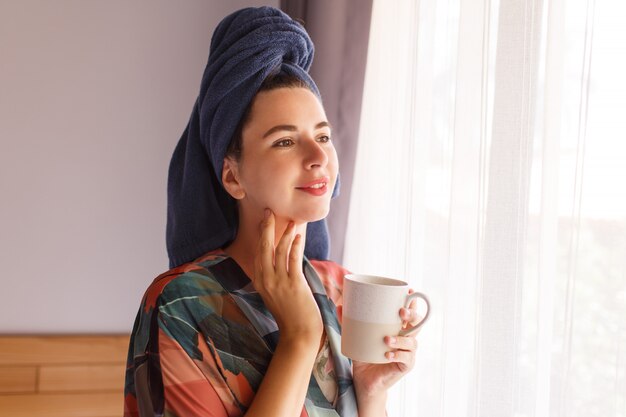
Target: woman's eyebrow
[
  {"x": 292, "y": 128},
  {"x": 289, "y": 128},
  {"x": 323, "y": 124}
]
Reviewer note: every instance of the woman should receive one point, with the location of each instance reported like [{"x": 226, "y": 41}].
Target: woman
[{"x": 206, "y": 339}]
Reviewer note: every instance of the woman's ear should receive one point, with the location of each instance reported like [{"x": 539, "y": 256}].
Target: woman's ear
[{"x": 230, "y": 178}]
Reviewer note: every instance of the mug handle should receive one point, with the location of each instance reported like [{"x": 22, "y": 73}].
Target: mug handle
[{"x": 409, "y": 298}]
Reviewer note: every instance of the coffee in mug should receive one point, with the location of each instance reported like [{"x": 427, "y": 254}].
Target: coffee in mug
[{"x": 371, "y": 311}]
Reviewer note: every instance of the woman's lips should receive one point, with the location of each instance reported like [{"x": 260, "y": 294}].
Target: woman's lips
[
  {"x": 316, "y": 187},
  {"x": 319, "y": 189}
]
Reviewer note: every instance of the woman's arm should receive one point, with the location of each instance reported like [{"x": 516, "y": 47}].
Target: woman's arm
[
  {"x": 371, "y": 406},
  {"x": 286, "y": 381},
  {"x": 371, "y": 381},
  {"x": 284, "y": 290}
]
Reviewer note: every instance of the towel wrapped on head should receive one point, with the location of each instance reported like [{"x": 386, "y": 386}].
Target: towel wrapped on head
[{"x": 247, "y": 46}]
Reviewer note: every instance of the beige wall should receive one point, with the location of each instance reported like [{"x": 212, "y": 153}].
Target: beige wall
[{"x": 93, "y": 98}]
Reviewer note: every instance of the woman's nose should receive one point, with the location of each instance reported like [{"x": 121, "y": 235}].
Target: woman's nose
[{"x": 315, "y": 154}]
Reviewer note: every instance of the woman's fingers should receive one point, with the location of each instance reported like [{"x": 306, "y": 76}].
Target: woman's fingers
[
  {"x": 283, "y": 249},
  {"x": 295, "y": 257},
  {"x": 403, "y": 350},
  {"x": 410, "y": 316},
  {"x": 402, "y": 356},
  {"x": 407, "y": 343},
  {"x": 266, "y": 242},
  {"x": 276, "y": 259}
]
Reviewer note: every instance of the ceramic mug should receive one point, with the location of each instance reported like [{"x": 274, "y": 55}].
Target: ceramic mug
[{"x": 371, "y": 311}]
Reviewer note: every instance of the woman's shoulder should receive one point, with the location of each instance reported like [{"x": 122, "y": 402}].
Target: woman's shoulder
[
  {"x": 331, "y": 274},
  {"x": 329, "y": 270},
  {"x": 193, "y": 276}
]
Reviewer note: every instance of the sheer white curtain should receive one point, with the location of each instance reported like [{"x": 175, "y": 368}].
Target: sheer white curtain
[{"x": 490, "y": 174}]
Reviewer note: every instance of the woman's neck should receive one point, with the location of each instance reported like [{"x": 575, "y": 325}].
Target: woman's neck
[{"x": 245, "y": 246}]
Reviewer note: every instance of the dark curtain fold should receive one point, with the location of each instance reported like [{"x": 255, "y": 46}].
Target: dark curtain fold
[{"x": 340, "y": 31}]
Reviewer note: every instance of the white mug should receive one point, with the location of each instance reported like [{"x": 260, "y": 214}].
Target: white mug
[{"x": 371, "y": 311}]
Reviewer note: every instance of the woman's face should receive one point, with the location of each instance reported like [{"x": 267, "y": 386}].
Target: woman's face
[{"x": 288, "y": 162}]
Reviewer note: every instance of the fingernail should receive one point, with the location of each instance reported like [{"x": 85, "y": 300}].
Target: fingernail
[
  {"x": 391, "y": 355},
  {"x": 392, "y": 340},
  {"x": 267, "y": 213}
]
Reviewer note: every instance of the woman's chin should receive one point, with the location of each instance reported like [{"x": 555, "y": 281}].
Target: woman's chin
[
  {"x": 309, "y": 215},
  {"x": 319, "y": 213}
]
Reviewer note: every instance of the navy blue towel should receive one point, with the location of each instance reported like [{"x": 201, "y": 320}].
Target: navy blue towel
[{"x": 246, "y": 47}]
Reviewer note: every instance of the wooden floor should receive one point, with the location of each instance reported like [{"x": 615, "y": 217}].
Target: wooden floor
[{"x": 62, "y": 376}]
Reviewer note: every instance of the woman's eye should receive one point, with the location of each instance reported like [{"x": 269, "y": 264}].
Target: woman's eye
[
  {"x": 324, "y": 139},
  {"x": 283, "y": 143}
]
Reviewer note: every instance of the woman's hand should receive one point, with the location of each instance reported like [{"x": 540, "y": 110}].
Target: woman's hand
[
  {"x": 282, "y": 285},
  {"x": 371, "y": 381},
  {"x": 279, "y": 280}
]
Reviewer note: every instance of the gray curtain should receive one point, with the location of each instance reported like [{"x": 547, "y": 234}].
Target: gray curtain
[{"x": 340, "y": 31}]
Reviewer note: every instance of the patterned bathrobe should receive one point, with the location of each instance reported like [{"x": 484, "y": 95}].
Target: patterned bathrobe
[{"x": 203, "y": 339}]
